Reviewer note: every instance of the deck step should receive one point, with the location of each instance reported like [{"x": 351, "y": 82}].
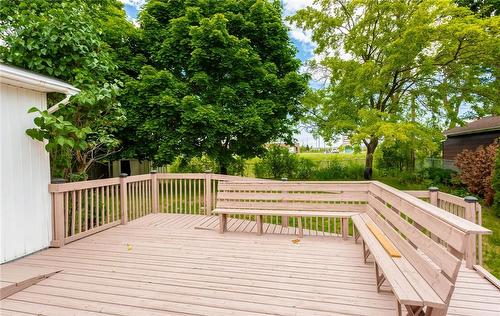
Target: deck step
[{"x": 16, "y": 277}]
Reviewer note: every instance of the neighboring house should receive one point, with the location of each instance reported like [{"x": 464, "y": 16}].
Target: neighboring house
[
  {"x": 481, "y": 132},
  {"x": 113, "y": 169},
  {"x": 132, "y": 167},
  {"x": 25, "y": 205}
]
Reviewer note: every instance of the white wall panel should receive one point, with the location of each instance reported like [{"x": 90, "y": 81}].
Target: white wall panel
[{"x": 25, "y": 213}]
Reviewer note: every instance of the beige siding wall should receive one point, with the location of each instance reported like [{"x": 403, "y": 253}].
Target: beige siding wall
[{"x": 25, "y": 218}]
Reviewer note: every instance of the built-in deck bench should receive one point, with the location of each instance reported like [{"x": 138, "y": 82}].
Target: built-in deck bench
[
  {"x": 417, "y": 252},
  {"x": 288, "y": 199}
]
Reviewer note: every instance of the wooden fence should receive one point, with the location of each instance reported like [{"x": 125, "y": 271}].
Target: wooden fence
[{"x": 83, "y": 208}]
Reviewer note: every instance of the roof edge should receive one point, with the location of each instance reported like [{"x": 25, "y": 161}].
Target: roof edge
[
  {"x": 12, "y": 75},
  {"x": 476, "y": 131}
]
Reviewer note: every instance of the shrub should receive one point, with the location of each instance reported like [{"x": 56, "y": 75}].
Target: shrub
[
  {"x": 194, "y": 165},
  {"x": 438, "y": 176},
  {"x": 496, "y": 184},
  {"x": 237, "y": 166},
  {"x": 339, "y": 170},
  {"x": 277, "y": 163},
  {"x": 304, "y": 169},
  {"x": 476, "y": 170}
]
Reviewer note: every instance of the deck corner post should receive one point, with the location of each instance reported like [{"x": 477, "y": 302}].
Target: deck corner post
[
  {"x": 470, "y": 215},
  {"x": 123, "y": 198},
  {"x": 433, "y": 195},
  {"x": 434, "y": 200},
  {"x": 57, "y": 215},
  {"x": 154, "y": 191},
  {"x": 208, "y": 192}
]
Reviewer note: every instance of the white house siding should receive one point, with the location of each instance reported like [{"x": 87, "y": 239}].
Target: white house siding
[{"x": 25, "y": 212}]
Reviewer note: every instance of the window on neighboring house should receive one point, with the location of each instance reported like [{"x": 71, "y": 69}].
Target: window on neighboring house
[{"x": 125, "y": 167}]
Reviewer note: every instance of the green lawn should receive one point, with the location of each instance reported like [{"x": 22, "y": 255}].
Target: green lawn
[{"x": 326, "y": 157}]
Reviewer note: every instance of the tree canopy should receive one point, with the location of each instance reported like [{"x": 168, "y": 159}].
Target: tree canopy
[
  {"x": 395, "y": 66},
  {"x": 75, "y": 41},
  {"x": 222, "y": 79}
]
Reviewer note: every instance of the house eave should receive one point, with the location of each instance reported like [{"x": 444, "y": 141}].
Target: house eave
[{"x": 26, "y": 79}]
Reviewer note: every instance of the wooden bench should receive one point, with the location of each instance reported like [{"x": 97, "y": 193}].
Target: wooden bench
[
  {"x": 422, "y": 277},
  {"x": 288, "y": 199}
]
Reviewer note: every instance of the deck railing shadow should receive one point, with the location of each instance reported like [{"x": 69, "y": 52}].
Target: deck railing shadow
[{"x": 83, "y": 208}]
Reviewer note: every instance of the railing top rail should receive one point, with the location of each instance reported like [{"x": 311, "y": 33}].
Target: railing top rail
[
  {"x": 455, "y": 221},
  {"x": 181, "y": 175},
  {"x": 81, "y": 185},
  {"x": 257, "y": 180},
  {"x": 452, "y": 199}
]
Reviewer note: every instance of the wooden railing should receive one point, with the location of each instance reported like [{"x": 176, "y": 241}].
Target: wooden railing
[
  {"x": 467, "y": 208},
  {"x": 87, "y": 207},
  {"x": 83, "y": 208}
]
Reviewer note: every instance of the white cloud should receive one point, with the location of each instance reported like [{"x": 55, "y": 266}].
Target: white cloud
[
  {"x": 292, "y": 6},
  {"x": 135, "y": 3}
]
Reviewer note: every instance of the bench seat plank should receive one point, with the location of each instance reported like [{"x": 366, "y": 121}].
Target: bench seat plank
[
  {"x": 230, "y": 211},
  {"x": 422, "y": 288},
  {"x": 403, "y": 290},
  {"x": 384, "y": 241}
]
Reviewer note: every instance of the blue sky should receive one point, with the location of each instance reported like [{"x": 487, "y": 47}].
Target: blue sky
[{"x": 301, "y": 40}]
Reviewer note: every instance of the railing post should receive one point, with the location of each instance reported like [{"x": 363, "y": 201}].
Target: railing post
[
  {"x": 58, "y": 216},
  {"x": 154, "y": 190},
  {"x": 433, "y": 199},
  {"x": 479, "y": 237},
  {"x": 284, "y": 219},
  {"x": 470, "y": 215},
  {"x": 208, "y": 192},
  {"x": 123, "y": 198},
  {"x": 433, "y": 195}
]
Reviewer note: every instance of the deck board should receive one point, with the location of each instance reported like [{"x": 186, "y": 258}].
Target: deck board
[{"x": 161, "y": 265}]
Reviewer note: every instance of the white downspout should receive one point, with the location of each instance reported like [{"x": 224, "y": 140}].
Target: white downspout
[{"x": 55, "y": 107}]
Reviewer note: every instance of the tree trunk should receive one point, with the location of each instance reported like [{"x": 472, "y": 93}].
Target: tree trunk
[
  {"x": 223, "y": 168},
  {"x": 370, "y": 150}
]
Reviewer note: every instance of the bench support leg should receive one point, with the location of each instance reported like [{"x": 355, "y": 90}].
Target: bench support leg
[
  {"x": 417, "y": 310},
  {"x": 284, "y": 221},
  {"x": 356, "y": 234},
  {"x": 380, "y": 278},
  {"x": 420, "y": 310},
  {"x": 222, "y": 223},
  {"x": 345, "y": 227},
  {"x": 398, "y": 308},
  {"x": 259, "y": 224},
  {"x": 366, "y": 251},
  {"x": 299, "y": 225}
]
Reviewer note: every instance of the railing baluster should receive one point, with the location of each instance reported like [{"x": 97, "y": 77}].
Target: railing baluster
[
  {"x": 66, "y": 214},
  {"x": 91, "y": 208},
  {"x": 79, "y": 211},
  {"x": 86, "y": 209},
  {"x": 107, "y": 205},
  {"x": 103, "y": 207},
  {"x": 73, "y": 212}
]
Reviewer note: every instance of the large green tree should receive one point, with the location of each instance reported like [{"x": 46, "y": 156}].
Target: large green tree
[
  {"x": 394, "y": 65},
  {"x": 222, "y": 79},
  {"x": 482, "y": 7},
  {"x": 79, "y": 42}
]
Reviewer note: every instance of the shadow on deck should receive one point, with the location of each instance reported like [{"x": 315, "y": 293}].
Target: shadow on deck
[{"x": 161, "y": 265}]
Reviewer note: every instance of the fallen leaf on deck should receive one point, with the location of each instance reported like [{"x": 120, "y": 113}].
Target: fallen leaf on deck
[
  {"x": 129, "y": 247},
  {"x": 296, "y": 241}
]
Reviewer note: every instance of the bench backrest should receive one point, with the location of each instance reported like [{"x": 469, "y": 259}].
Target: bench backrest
[
  {"x": 433, "y": 247},
  {"x": 290, "y": 195}
]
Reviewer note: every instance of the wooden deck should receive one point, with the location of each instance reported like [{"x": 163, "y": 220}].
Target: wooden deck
[{"x": 161, "y": 265}]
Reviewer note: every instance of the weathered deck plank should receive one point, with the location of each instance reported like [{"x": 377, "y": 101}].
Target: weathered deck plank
[{"x": 160, "y": 265}]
